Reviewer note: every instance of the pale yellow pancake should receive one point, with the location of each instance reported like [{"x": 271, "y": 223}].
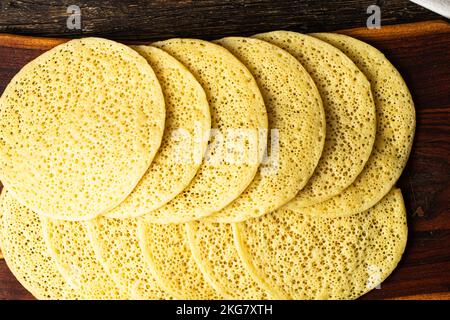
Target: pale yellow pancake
[
  {"x": 296, "y": 123},
  {"x": 213, "y": 248},
  {"x": 116, "y": 244},
  {"x": 305, "y": 257},
  {"x": 79, "y": 127},
  {"x": 349, "y": 110},
  {"x": 26, "y": 253},
  {"x": 396, "y": 122},
  {"x": 166, "y": 250},
  {"x": 237, "y": 115},
  {"x": 188, "y": 122},
  {"x": 69, "y": 246}
]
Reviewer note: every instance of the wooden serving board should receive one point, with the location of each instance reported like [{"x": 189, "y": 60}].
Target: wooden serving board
[{"x": 421, "y": 52}]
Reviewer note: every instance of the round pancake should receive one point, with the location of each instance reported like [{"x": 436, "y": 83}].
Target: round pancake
[
  {"x": 349, "y": 110},
  {"x": 305, "y": 257},
  {"x": 166, "y": 250},
  {"x": 296, "y": 120},
  {"x": 184, "y": 141},
  {"x": 26, "y": 253},
  {"x": 237, "y": 114},
  {"x": 116, "y": 244},
  {"x": 69, "y": 245},
  {"x": 395, "y": 133},
  {"x": 212, "y": 246},
  {"x": 79, "y": 127}
]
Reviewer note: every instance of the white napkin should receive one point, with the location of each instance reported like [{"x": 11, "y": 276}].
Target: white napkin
[{"x": 441, "y": 7}]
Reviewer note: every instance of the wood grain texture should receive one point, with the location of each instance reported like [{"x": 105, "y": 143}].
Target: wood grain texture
[
  {"x": 421, "y": 52},
  {"x": 144, "y": 19}
]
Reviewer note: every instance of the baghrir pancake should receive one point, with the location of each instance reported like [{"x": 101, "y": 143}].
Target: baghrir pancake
[
  {"x": 332, "y": 249},
  {"x": 305, "y": 257},
  {"x": 237, "y": 107},
  {"x": 79, "y": 127},
  {"x": 25, "y": 252},
  {"x": 122, "y": 257},
  {"x": 184, "y": 142},
  {"x": 213, "y": 248},
  {"x": 296, "y": 120},
  {"x": 166, "y": 250},
  {"x": 69, "y": 246},
  {"x": 396, "y": 123},
  {"x": 349, "y": 110}
]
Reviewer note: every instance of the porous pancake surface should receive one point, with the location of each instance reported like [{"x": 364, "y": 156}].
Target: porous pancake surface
[
  {"x": 305, "y": 257},
  {"x": 237, "y": 115},
  {"x": 349, "y": 110},
  {"x": 26, "y": 252},
  {"x": 396, "y": 122},
  {"x": 214, "y": 250},
  {"x": 166, "y": 250},
  {"x": 116, "y": 243},
  {"x": 184, "y": 142},
  {"x": 296, "y": 123},
  {"x": 79, "y": 126},
  {"x": 69, "y": 245}
]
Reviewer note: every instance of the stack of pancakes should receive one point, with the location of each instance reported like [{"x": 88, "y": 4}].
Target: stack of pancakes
[{"x": 243, "y": 168}]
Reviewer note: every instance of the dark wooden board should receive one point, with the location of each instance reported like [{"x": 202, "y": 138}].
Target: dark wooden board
[
  {"x": 421, "y": 52},
  {"x": 145, "y": 19}
]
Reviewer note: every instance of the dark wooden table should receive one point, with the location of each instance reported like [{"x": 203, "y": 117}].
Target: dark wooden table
[
  {"x": 421, "y": 53},
  {"x": 145, "y": 19}
]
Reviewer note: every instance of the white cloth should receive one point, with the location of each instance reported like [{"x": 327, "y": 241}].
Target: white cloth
[{"x": 441, "y": 7}]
